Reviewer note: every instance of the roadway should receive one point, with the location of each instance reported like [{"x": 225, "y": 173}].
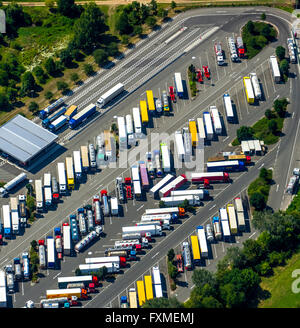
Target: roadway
[{"x": 225, "y": 79}]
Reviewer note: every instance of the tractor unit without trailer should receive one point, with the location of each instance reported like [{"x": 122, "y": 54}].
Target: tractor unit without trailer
[
  {"x": 110, "y": 94},
  {"x": 219, "y": 54}
]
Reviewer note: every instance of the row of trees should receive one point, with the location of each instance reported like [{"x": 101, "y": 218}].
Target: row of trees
[{"x": 236, "y": 283}]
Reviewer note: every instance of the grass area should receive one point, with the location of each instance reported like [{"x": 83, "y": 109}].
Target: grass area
[
  {"x": 295, "y": 204},
  {"x": 280, "y": 286},
  {"x": 260, "y": 185}
]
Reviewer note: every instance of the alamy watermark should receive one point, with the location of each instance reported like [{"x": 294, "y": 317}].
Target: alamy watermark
[
  {"x": 2, "y": 21},
  {"x": 296, "y": 283}
]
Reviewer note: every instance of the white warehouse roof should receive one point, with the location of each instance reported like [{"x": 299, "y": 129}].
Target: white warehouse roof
[{"x": 23, "y": 139}]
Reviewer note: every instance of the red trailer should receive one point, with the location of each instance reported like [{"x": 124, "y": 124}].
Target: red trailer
[
  {"x": 206, "y": 72},
  {"x": 210, "y": 177},
  {"x": 128, "y": 188},
  {"x": 240, "y": 47},
  {"x": 199, "y": 76},
  {"x": 172, "y": 94}
]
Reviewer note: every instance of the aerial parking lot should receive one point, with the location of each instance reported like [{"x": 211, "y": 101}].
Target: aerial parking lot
[{"x": 188, "y": 40}]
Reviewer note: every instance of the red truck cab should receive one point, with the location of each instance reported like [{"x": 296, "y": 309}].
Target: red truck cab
[
  {"x": 128, "y": 188},
  {"x": 172, "y": 94},
  {"x": 1, "y": 240},
  {"x": 199, "y": 76},
  {"x": 41, "y": 242},
  {"x": 206, "y": 72}
]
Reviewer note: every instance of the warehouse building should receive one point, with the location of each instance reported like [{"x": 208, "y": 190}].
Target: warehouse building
[{"x": 24, "y": 140}]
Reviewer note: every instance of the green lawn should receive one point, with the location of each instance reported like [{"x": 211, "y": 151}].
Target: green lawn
[{"x": 280, "y": 284}]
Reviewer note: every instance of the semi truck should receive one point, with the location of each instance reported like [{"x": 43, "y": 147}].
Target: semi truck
[
  {"x": 11, "y": 184},
  {"x": 154, "y": 190},
  {"x": 68, "y": 292},
  {"x": 18, "y": 269},
  {"x": 110, "y": 94},
  {"x": 150, "y": 102},
  {"x": 6, "y": 217},
  {"x": 77, "y": 165},
  {"x": 71, "y": 111},
  {"x": 144, "y": 176},
  {"x": 15, "y": 219},
  {"x": 74, "y": 228},
  {"x": 232, "y": 47},
  {"x": 217, "y": 228},
  {"x": 129, "y": 130},
  {"x": 240, "y": 47},
  {"x": 120, "y": 260},
  {"x": 89, "y": 268},
  {"x": 165, "y": 210},
  {"x": 50, "y": 252},
  {"x": 208, "y": 126},
  {"x": 209, "y": 177},
  {"x": 157, "y": 282},
  {"x": 10, "y": 280},
  {"x": 165, "y": 102},
  {"x": 58, "y": 246},
  {"x": 202, "y": 241},
  {"x": 178, "y": 85},
  {"x": 275, "y": 69},
  {"x": 42, "y": 254},
  {"x": 58, "y": 123},
  {"x": 187, "y": 144},
  {"x": 25, "y": 265},
  {"x": 148, "y": 287},
  {"x": 153, "y": 229},
  {"x": 51, "y": 108},
  {"x": 82, "y": 115},
  {"x": 120, "y": 190},
  {"x": 201, "y": 193},
  {"x": 47, "y": 189},
  {"x": 47, "y": 121},
  {"x": 62, "y": 181},
  {"x": 195, "y": 250},
  {"x": 144, "y": 112},
  {"x": 225, "y": 166},
  {"x": 186, "y": 253},
  {"x": 39, "y": 199},
  {"x": 256, "y": 86},
  {"x": 104, "y": 197},
  {"x": 165, "y": 157},
  {"x": 219, "y": 54},
  {"x": 55, "y": 189},
  {"x": 177, "y": 200},
  {"x": 225, "y": 224},
  {"x": 232, "y": 219},
  {"x": 201, "y": 129},
  {"x": 90, "y": 220},
  {"x": 92, "y": 154},
  {"x": 240, "y": 157},
  {"x": 248, "y": 90},
  {"x": 141, "y": 292},
  {"x": 64, "y": 282},
  {"x": 67, "y": 246},
  {"x": 81, "y": 221},
  {"x": 172, "y": 218},
  {"x": 228, "y": 108},
  {"x": 122, "y": 132},
  {"x": 137, "y": 122},
  {"x": 22, "y": 210},
  {"x": 114, "y": 206},
  {"x": 97, "y": 210},
  {"x": 70, "y": 173},
  {"x": 3, "y": 296},
  {"x": 159, "y": 171},
  {"x": 173, "y": 185},
  {"x": 85, "y": 158},
  {"x": 88, "y": 239},
  {"x": 136, "y": 244},
  {"x": 216, "y": 119},
  {"x": 193, "y": 132},
  {"x": 240, "y": 213},
  {"x": 132, "y": 298}
]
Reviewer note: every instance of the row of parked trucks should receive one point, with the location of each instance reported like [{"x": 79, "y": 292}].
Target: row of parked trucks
[
  {"x": 230, "y": 221},
  {"x": 236, "y": 48}
]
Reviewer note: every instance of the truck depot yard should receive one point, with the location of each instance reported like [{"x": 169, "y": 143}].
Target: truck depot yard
[{"x": 141, "y": 166}]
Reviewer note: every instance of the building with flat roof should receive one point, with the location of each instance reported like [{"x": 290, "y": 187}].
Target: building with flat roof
[{"x": 23, "y": 140}]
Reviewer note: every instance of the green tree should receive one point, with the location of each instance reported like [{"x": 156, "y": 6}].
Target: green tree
[
  {"x": 171, "y": 255},
  {"x": 28, "y": 83},
  {"x": 272, "y": 126},
  {"x": 50, "y": 66},
  {"x": 78, "y": 272},
  {"x": 138, "y": 30},
  {"x": 4, "y": 103},
  {"x": 88, "y": 69},
  {"x": 153, "y": 5},
  {"x": 74, "y": 77},
  {"x": 113, "y": 49},
  {"x": 122, "y": 24},
  {"x": 284, "y": 67},
  {"x": 125, "y": 39},
  {"x": 257, "y": 200},
  {"x": 201, "y": 277},
  {"x": 263, "y": 16},
  {"x": 50, "y": 4},
  {"x": 268, "y": 114},
  {"x": 232, "y": 297},
  {"x": 266, "y": 31},
  {"x": 265, "y": 269},
  {"x": 33, "y": 244},
  {"x": 173, "y": 5},
  {"x": 172, "y": 270},
  {"x": 66, "y": 57},
  {"x": 250, "y": 27},
  {"x": 62, "y": 86},
  {"x": 162, "y": 13},
  {"x": 280, "y": 52},
  {"x": 245, "y": 133},
  {"x": 30, "y": 203},
  {"x": 151, "y": 21},
  {"x": 29, "y": 189},
  {"x": 67, "y": 7},
  {"x": 48, "y": 95},
  {"x": 4, "y": 78},
  {"x": 12, "y": 94},
  {"x": 161, "y": 204},
  {"x": 33, "y": 107},
  {"x": 100, "y": 56},
  {"x": 234, "y": 258}
]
